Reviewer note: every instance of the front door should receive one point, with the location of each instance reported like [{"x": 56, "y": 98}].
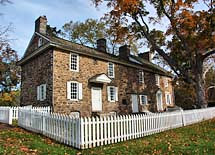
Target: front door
[
  {"x": 159, "y": 101},
  {"x": 96, "y": 93},
  {"x": 134, "y": 101}
]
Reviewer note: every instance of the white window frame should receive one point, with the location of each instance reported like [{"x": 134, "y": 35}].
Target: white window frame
[
  {"x": 77, "y": 63},
  {"x": 113, "y": 70},
  {"x": 141, "y": 76},
  {"x": 170, "y": 98},
  {"x": 157, "y": 79},
  {"x": 115, "y": 98},
  {"x": 40, "y": 42},
  {"x": 166, "y": 83},
  {"x": 79, "y": 95},
  {"x": 141, "y": 101},
  {"x": 41, "y": 96}
]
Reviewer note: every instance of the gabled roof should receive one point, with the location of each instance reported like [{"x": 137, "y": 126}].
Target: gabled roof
[
  {"x": 100, "y": 78},
  {"x": 134, "y": 61}
]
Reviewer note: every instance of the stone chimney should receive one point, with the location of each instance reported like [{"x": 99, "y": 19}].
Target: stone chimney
[
  {"x": 40, "y": 25},
  {"x": 101, "y": 45},
  {"x": 124, "y": 52},
  {"x": 146, "y": 55}
]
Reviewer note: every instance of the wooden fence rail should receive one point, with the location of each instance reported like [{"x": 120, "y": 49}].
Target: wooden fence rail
[{"x": 90, "y": 132}]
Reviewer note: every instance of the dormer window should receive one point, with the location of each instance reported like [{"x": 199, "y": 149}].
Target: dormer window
[
  {"x": 111, "y": 70},
  {"x": 40, "y": 42}
]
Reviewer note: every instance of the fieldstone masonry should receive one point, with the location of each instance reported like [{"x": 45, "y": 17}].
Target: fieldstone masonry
[{"x": 52, "y": 67}]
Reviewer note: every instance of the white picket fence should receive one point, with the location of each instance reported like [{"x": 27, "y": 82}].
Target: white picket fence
[
  {"x": 7, "y": 114},
  {"x": 63, "y": 128},
  {"x": 90, "y": 132},
  {"x": 38, "y": 109}
]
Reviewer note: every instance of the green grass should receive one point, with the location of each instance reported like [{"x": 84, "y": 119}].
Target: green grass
[{"x": 194, "y": 139}]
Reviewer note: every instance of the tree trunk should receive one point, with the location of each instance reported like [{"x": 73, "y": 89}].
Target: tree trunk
[
  {"x": 200, "y": 92},
  {"x": 199, "y": 84}
]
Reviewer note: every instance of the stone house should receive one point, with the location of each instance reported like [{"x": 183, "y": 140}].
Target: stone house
[{"x": 79, "y": 80}]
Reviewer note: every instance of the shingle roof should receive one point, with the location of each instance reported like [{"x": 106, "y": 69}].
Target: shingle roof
[{"x": 140, "y": 63}]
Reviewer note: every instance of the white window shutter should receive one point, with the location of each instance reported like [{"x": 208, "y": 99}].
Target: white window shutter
[
  {"x": 140, "y": 96},
  {"x": 108, "y": 92},
  {"x": 116, "y": 93},
  {"x": 44, "y": 87},
  {"x": 69, "y": 90},
  {"x": 80, "y": 92},
  {"x": 38, "y": 92}
]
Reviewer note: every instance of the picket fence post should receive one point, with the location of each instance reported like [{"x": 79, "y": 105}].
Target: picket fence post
[{"x": 183, "y": 118}]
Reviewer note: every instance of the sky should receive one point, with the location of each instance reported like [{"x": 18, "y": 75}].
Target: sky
[{"x": 23, "y": 13}]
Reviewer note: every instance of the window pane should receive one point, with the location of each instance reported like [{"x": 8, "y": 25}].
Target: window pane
[
  {"x": 110, "y": 69},
  {"x": 42, "y": 92},
  {"x": 74, "y": 90},
  {"x": 141, "y": 76},
  {"x": 143, "y": 99},
  {"x": 112, "y": 93},
  {"x": 74, "y": 61}
]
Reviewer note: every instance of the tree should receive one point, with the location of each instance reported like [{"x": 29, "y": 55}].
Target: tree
[
  {"x": 189, "y": 36},
  {"x": 87, "y": 33},
  {"x": 9, "y": 71}
]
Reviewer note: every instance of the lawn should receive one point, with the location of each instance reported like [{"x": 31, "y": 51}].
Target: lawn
[{"x": 194, "y": 139}]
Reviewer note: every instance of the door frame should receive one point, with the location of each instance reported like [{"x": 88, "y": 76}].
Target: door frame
[
  {"x": 132, "y": 103},
  {"x": 100, "y": 89},
  {"x": 159, "y": 105}
]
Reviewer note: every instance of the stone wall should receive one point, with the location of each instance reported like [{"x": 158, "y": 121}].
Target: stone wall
[
  {"x": 35, "y": 72},
  {"x": 126, "y": 79}
]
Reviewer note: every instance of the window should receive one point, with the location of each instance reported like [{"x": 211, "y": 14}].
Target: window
[
  {"x": 40, "y": 42},
  {"x": 110, "y": 70},
  {"x": 166, "y": 84},
  {"x": 141, "y": 77},
  {"x": 74, "y": 90},
  {"x": 157, "y": 80},
  {"x": 74, "y": 62},
  {"x": 112, "y": 93},
  {"x": 168, "y": 98},
  {"x": 143, "y": 99},
  {"x": 41, "y": 92}
]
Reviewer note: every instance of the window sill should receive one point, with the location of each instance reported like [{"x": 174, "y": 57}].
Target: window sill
[
  {"x": 74, "y": 70},
  {"x": 73, "y": 100},
  {"x": 112, "y": 101}
]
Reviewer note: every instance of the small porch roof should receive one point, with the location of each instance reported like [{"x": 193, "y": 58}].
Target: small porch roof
[{"x": 100, "y": 78}]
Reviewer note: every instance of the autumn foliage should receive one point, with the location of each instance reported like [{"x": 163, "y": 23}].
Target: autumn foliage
[{"x": 187, "y": 29}]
